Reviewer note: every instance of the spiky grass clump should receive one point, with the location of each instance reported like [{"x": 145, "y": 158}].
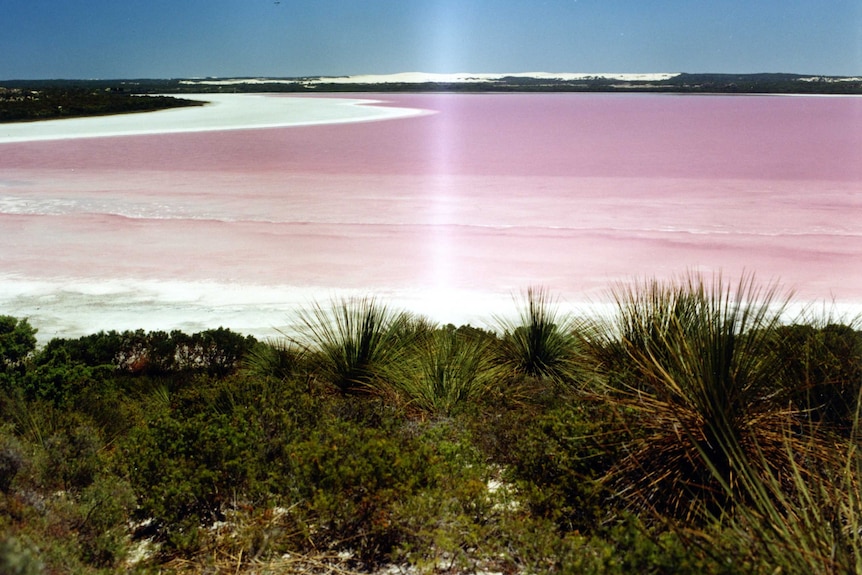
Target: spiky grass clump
[
  {"x": 279, "y": 359},
  {"x": 805, "y": 517},
  {"x": 698, "y": 385},
  {"x": 816, "y": 525},
  {"x": 541, "y": 343},
  {"x": 354, "y": 339},
  {"x": 445, "y": 369}
]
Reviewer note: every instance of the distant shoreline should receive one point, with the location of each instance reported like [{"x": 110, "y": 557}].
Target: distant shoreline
[
  {"x": 40, "y": 101},
  {"x": 221, "y": 112},
  {"x": 215, "y": 111},
  {"x": 26, "y": 105},
  {"x": 685, "y": 83}
]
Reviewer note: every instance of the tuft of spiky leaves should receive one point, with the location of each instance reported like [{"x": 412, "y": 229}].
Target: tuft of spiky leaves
[
  {"x": 354, "y": 339},
  {"x": 806, "y": 517},
  {"x": 444, "y": 370},
  {"x": 692, "y": 370},
  {"x": 279, "y": 359},
  {"x": 541, "y": 343}
]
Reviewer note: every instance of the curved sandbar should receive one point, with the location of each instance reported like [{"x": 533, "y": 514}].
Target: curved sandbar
[{"x": 222, "y": 112}]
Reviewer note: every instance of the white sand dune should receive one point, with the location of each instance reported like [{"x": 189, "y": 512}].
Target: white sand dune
[
  {"x": 426, "y": 77},
  {"x": 222, "y": 112},
  {"x": 423, "y": 77}
]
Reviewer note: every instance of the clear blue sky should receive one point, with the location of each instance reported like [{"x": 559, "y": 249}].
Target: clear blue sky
[{"x": 192, "y": 38}]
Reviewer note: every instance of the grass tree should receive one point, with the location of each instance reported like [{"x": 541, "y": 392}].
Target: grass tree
[
  {"x": 541, "y": 343},
  {"x": 352, "y": 340},
  {"x": 279, "y": 359},
  {"x": 445, "y": 369},
  {"x": 690, "y": 366},
  {"x": 814, "y": 525}
]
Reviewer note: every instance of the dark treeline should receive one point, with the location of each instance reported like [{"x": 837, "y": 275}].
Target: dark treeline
[
  {"x": 682, "y": 83},
  {"x": 693, "y": 432},
  {"x": 54, "y": 102}
]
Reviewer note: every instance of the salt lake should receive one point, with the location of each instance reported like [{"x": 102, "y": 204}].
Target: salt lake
[{"x": 445, "y": 204}]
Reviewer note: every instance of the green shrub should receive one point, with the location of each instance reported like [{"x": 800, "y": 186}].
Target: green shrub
[
  {"x": 346, "y": 478},
  {"x": 385, "y": 491},
  {"x": 558, "y": 460},
  {"x": 187, "y": 467},
  {"x": 17, "y": 558},
  {"x": 821, "y": 365},
  {"x": 73, "y": 456},
  {"x": 12, "y": 458},
  {"x": 98, "y": 349},
  {"x": 55, "y": 377},
  {"x": 450, "y": 522},
  {"x": 214, "y": 351},
  {"x": 106, "y": 506},
  {"x": 17, "y": 343}
]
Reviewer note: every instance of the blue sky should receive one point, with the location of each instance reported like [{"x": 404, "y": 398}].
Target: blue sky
[{"x": 193, "y": 38}]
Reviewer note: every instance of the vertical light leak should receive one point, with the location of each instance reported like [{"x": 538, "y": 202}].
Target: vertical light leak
[
  {"x": 442, "y": 214},
  {"x": 447, "y": 53}
]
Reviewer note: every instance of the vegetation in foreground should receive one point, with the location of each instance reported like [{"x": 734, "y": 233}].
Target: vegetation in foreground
[{"x": 692, "y": 432}]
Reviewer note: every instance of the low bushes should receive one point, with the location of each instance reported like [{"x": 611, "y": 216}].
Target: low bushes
[{"x": 693, "y": 432}]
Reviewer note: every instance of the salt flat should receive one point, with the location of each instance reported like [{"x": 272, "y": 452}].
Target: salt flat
[{"x": 221, "y": 112}]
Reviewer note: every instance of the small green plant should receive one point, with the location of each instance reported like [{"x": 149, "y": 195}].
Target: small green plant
[
  {"x": 353, "y": 340},
  {"x": 442, "y": 371},
  {"x": 541, "y": 343}
]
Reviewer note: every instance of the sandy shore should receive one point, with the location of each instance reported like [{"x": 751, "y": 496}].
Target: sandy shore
[
  {"x": 72, "y": 307},
  {"x": 222, "y": 112}
]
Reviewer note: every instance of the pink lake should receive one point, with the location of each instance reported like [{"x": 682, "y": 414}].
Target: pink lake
[{"x": 448, "y": 213}]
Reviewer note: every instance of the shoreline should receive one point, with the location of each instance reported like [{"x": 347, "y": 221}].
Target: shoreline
[
  {"x": 76, "y": 307},
  {"x": 222, "y": 112}
]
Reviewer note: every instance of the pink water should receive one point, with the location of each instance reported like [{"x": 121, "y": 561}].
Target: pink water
[{"x": 491, "y": 194}]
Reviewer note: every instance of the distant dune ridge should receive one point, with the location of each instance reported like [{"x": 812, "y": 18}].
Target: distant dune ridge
[{"x": 427, "y": 77}]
